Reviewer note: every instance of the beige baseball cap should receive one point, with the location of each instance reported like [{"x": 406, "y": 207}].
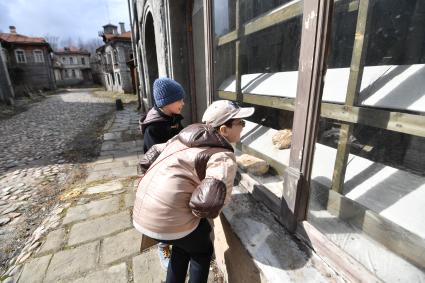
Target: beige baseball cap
[{"x": 221, "y": 111}]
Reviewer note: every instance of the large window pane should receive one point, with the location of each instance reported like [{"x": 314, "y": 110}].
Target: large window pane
[
  {"x": 368, "y": 183},
  {"x": 395, "y": 57},
  {"x": 224, "y": 63},
  {"x": 253, "y": 8},
  {"x": 380, "y": 207},
  {"x": 275, "y": 49},
  {"x": 224, "y": 16},
  {"x": 263, "y": 55}
]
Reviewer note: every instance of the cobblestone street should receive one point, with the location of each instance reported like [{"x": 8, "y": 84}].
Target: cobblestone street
[{"x": 40, "y": 151}]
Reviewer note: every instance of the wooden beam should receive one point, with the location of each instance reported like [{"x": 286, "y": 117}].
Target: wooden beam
[
  {"x": 341, "y": 158},
  {"x": 276, "y": 16},
  {"x": 275, "y": 102},
  {"x": 346, "y": 7},
  {"x": 389, "y": 120},
  {"x": 317, "y": 15},
  {"x": 227, "y": 38},
  {"x": 209, "y": 49},
  {"x": 412, "y": 124},
  {"x": 353, "y": 89},
  {"x": 238, "y": 68},
  {"x": 229, "y": 95}
]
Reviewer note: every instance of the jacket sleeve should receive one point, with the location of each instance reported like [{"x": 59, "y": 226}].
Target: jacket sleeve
[
  {"x": 222, "y": 166},
  {"x": 154, "y": 134},
  {"x": 215, "y": 189},
  {"x": 150, "y": 156}
]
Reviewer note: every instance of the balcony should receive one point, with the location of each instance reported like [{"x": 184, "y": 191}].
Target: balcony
[{"x": 107, "y": 68}]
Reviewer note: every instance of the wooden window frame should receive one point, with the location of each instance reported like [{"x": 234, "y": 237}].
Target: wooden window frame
[
  {"x": 310, "y": 86},
  {"x": 17, "y": 56},
  {"x": 348, "y": 113},
  {"x": 35, "y": 52},
  {"x": 118, "y": 79},
  {"x": 384, "y": 119},
  {"x": 310, "y": 108}
]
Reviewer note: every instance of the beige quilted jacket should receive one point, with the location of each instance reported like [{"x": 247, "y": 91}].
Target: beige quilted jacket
[{"x": 161, "y": 210}]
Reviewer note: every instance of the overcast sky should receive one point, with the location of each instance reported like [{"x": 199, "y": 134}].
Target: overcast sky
[{"x": 63, "y": 18}]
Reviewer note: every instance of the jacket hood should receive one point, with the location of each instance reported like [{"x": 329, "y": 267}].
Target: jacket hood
[
  {"x": 201, "y": 135},
  {"x": 155, "y": 115}
]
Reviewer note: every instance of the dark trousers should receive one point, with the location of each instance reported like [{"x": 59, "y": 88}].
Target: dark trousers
[{"x": 195, "y": 248}]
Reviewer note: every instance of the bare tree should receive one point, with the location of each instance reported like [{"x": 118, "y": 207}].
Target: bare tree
[
  {"x": 92, "y": 44},
  {"x": 89, "y": 44},
  {"x": 80, "y": 43},
  {"x": 53, "y": 40},
  {"x": 67, "y": 42}
]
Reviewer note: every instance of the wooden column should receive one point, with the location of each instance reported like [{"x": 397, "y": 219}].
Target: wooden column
[
  {"x": 317, "y": 15},
  {"x": 209, "y": 49},
  {"x": 238, "y": 75},
  {"x": 353, "y": 88}
]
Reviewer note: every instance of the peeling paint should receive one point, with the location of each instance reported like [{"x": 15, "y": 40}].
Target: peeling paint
[{"x": 309, "y": 18}]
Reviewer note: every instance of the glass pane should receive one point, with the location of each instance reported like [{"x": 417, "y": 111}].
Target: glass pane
[
  {"x": 264, "y": 56},
  {"x": 253, "y": 8},
  {"x": 395, "y": 57},
  {"x": 224, "y": 63},
  {"x": 341, "y": 49},
  {"x": 224, "y": 16},
  {"x": 376, "y": 215},
  {"x": 275, "y": 49},
  {"x": 269, "y": 67}
]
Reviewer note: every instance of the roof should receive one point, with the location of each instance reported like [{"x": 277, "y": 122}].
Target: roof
[
  {"x": 19, "y": 38},
  {"x": 122, "y": 36},
  {"x": 100, "y": 48},
  {"x": 109, "y": 25},
  {"x": 72, "y": 50}
]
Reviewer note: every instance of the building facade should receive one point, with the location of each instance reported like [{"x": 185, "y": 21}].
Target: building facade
[
  {"x": 7, "y": 94},
  {"x": 28, "y": 61},
  {"x": 113, "y": 57},
  {"x": 72, "y": 66},
  {"x": 351, "y": 186}
]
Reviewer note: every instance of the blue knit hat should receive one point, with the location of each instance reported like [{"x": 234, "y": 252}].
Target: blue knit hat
[{"x": 167, "y": 91}]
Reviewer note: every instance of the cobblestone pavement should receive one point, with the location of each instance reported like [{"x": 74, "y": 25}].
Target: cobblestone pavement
[{"x": 39, "y": 148}]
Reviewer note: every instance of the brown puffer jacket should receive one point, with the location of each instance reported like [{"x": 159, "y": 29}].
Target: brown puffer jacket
[{"x": 199, "y": 158}]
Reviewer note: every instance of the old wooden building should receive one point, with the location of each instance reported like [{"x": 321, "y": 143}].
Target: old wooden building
[
  {"x": 113, "y": 57},
  {"x": 346, "y": 79},
  {"x": 7, "y": 94},
  {"x": 29, "y": 62},
  {"x": 72, "y": 66}
]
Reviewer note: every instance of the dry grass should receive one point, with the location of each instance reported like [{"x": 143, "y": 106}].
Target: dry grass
[{"x": 125, "y": 97}]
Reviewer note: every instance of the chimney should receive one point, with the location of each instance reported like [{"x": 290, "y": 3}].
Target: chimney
[
  {"x": 109, "y": 29},
  {"x": 122, "y": 28},
  {"x": 12, "y": 29}
]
